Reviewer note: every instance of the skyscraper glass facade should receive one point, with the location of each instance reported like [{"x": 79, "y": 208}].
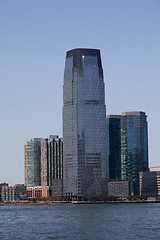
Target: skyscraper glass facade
[
  {"x": 114, "y": 146},
  {"x": 134, "y": 145},
  {"x": 44, "y": 162},
  {"x": 51, "y": 160},
  {"x": 84, "y": 125},
  {"x": 128, "y": 145},
  {"x": 33, "y": 162}
]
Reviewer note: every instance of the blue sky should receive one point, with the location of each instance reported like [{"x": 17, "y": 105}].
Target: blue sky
[{"x": 34, "y": 38}]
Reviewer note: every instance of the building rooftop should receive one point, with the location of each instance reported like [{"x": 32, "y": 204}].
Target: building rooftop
[
  {"x": 51, "y": 136},
  {"x": 113, "y": 116},
  {"x": 134, "y": 113},
  {"x": 154, "y": 169}
]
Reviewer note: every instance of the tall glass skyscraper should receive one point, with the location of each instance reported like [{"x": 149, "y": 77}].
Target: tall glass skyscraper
[
  {"x": 134, "y": 144},
  {"x": 51, "y": 160},
  {"x": 114, "y": 146},
  {"x": 44, "y": 162},
  {"x": 32, "y": 158},
  {"x": 128, "y": 145},
  {"x": 84, "y": 124}
]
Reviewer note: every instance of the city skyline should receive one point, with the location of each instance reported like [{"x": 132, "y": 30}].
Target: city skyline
[{"x": 34, "y": 40}]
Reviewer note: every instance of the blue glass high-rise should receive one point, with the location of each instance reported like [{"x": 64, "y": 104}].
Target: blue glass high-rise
[
  {"x": 84, "y": 124},
  {"x": 127, "y": 153},
  {"x": 114, "y": 146},
  {"x": 134, "y": 144}
]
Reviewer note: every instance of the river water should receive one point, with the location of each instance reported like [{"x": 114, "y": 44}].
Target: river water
[{"x": 81, "y": 222}]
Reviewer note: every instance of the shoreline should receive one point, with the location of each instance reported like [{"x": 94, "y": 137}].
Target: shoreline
[{"x": 40, "y": 203}]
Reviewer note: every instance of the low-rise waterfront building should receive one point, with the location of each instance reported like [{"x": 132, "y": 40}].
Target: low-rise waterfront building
[
  {"x": 122, "y": 188},
  {"x": 46, "y": 191},
  {"x": 2, "y": 185},
  {"x": 14, "y": 193},
  {"x": 38, "y": 191},
  {"x": 149, "y": 182}
]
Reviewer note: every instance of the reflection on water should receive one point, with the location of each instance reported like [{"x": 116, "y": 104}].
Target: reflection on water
[{"x": 78, "y": 222}]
